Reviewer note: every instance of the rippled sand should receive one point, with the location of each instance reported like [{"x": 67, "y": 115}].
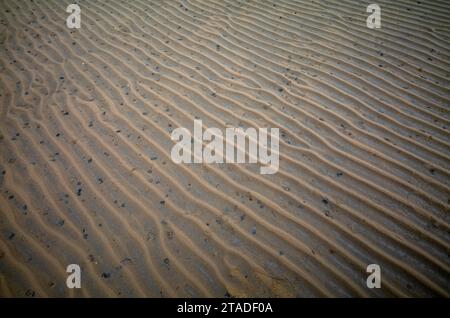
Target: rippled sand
[{"x": 87, "y": 177}]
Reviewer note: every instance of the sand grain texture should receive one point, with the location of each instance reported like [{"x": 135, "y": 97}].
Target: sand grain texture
[{"x": 87, "y": 178}]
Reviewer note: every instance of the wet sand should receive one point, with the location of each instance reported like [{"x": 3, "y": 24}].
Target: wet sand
[{"x": 86, "y": 117}]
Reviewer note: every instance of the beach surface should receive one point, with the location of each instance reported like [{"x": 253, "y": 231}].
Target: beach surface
[{"x": 86, "y": 175}]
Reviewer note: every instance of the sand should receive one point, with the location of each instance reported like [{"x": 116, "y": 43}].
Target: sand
[{"x": 87, "y": 178}]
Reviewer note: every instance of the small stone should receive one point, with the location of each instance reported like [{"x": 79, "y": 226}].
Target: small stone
[{"x": 106, "y": 275}]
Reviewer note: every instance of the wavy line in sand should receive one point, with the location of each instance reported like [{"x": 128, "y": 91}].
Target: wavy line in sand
[{"x": 369, "y": 208}]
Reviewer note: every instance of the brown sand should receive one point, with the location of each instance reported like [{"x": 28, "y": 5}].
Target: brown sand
[{"x": 87, "y": 178}]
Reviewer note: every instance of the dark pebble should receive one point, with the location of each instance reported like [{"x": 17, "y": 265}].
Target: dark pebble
[{"x": 106, "y": 275}]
